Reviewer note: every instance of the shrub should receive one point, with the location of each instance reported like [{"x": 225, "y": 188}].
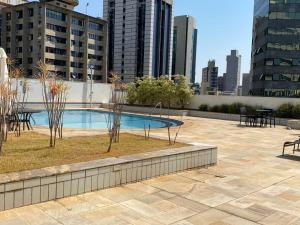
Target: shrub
[
  {"x": 203, "y": 107},
  {"x": 224, "y": 108},
  {"x": 285, "y": 111},
  {"x": 296, "y": 111},
  {"x": 234, "y": 108},
  {"x": 215, "y": 108}
]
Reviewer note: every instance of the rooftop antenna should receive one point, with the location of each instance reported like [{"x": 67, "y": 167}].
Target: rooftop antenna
[{"x": 86, "y": 7}]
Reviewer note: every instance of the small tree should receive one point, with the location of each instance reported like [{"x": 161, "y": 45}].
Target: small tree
[
  {"x": 54, "y": 93},
  {"x": 165, "y": 91},
  {"x": 6, "y": 96},
  {"x": 113, "y": 119},
  {"x": 183, "y": 92}
]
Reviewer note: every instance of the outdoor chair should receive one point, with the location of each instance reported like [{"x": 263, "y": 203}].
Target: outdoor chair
[
  {"x": 294, "y": 144},
  {"x": 250, "y": 117},
  {"x": 271, "y": 117},
  {"x": 13, "y": 123}
]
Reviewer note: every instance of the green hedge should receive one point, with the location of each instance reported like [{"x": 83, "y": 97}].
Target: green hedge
[
  {"x": 287, "y": 110},
  {"x": 233, "y": 108}
]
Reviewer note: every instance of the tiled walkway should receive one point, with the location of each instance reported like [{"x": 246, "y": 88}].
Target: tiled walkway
[{"x": 250, "y": 185}]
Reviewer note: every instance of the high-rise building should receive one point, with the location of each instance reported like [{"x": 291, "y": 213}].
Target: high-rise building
[
  {"x": 221, "y": 84},
  {"x": 246, "y": 86},
  {"x": 140, "y": 37},
  {"x": 8, "y": 3},
  {"x": 233, "y": 72},
  {"x": 73, "y": 45},
  {"x": 185, "y": 47},
  {"x": 209, "y": 84},
  {"x": 276, "y": 48}
]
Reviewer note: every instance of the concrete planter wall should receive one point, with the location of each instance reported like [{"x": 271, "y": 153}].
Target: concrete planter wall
[
  {"x": 151, "y": 110},
  {"x": 31, "y": 187},
  {"x": 197, "y": 113}
]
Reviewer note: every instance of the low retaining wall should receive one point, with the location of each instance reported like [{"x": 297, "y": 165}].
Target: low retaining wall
[
  {"x": 157, "y": 111},
  {"x": 197, "y": 113},
  {"x": 31, "y": 187},
  {"x": 232, "y": 117}
]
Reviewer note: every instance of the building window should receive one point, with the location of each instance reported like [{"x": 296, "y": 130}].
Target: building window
[
  {"x": 29, "y": 72},
  {"x": 18, "y": 61},
  {"x": 19, "y": 38},
  {"x": 76, "y": 75},
  {"x": 8, "y": 28},
  {"x": 77, "y": 32},
  {"x": 95, "y": 26},
  {"x": 95, "y": 37},
  {"x": 95, "y": 57},
  {"x": 98, "y": 67},
  {"x": 7, "y": 39},
  {"x": 77, "y": 54},
  {"x": 8, "y": 50},
  {"x": 30, "y": 25},
  {"x": 8, "y": 16},
  {"x": 19, "y": 49},
  {"x": 76, "y": 43},
  {"x": 55, "y": 39},
  {"x": 30, "y": 12},
  {"x": 56, "y": 28},
  {"x": 55, "y": 15},
  {"x": 77, "y": 64},
  {"x": 55, "y": 62},
  {"x": 95, "y": 47},
  {"x": 77, "y": 22},
  {"x": 29, "y": 60},
  {"x": 19, "y": 14},
  {"x": 19, "y": 26},
  {"x": 58, "y": 51}
]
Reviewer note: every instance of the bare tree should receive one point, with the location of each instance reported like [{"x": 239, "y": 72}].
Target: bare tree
[
  {"x": 54, "y": 93},
  {"x": 113, "y": 118},
  {"x": 171, "y": 140},
  {"x": 6, "y": 96}
]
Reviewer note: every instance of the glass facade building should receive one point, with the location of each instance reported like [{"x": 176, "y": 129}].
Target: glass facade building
[
  {"x": 276, "y": 48},
  {"x": 140, "y": 37}
]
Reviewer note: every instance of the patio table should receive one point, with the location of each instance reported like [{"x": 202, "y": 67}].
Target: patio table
[
  {"x": 25, "y": 116},
  {"x": 262, "y": 114}
]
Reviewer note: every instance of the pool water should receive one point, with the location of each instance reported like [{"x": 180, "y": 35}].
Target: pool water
[{"x": 97, "y": 119}]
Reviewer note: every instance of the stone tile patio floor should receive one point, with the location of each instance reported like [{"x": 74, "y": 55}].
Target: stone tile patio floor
[{"x": 250, "y": 185}]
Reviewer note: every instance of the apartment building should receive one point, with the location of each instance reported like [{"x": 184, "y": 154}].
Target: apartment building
[
  {"x": 73, "y": 45},
  {"x": 140, "y": 37},
  {"x": 6, "y": 3}
]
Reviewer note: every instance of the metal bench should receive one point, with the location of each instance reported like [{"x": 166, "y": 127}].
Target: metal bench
[{"x": 294, "y": 144}]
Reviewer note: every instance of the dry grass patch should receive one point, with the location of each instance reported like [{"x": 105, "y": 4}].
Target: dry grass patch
[{"x": 31, "y": 151}]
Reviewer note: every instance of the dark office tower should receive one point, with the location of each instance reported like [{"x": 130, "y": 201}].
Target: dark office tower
[
  {"x": 140, "y": 37},
  {"x": 185, "y": 47},
  {"x": 276, "y": 48}
]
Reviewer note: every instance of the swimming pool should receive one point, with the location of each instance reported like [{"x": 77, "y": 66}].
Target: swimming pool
[{"x": 94, "y": 119}]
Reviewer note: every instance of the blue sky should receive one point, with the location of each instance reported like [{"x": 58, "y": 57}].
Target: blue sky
[{"x": 222, "y": 25}]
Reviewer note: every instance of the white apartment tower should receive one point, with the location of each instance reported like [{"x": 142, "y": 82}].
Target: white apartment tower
[{"x": 140, "y": 37}]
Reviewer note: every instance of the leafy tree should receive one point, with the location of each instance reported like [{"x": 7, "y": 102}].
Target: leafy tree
[
  {"x": 183, "y": 92},
  {"x": 150, "y": 91}
]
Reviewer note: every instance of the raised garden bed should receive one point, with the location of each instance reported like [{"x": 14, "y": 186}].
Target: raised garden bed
[{"x": 138, "y": 161}]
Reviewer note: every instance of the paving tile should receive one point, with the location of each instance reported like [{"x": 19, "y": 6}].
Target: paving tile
[{"x": 250, "y": 185}]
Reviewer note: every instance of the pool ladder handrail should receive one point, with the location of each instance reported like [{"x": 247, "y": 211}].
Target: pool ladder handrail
[{"x": 159, "y": 104}]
